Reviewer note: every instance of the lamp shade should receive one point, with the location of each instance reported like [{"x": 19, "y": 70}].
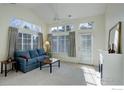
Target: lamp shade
[
  {"x": 47, "y": 46},
  {"x": 47, "y": 43}
]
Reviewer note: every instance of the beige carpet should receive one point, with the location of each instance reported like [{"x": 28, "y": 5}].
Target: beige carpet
[{"x": 67, "y": 74}]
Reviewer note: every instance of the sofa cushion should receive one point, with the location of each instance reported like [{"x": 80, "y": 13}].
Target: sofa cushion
[
  {"x": 23, "y": 54},
  {"x": 31, "y": 61},
  {"x": 41, "y": 52},
  {"x": 33, "y": 53},
  {"x": 40, "y": 58}
]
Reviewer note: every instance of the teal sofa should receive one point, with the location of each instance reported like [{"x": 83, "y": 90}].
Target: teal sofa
[{"x": 29, "y": 60}]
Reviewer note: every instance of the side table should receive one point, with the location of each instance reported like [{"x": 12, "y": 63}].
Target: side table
[{"x": 5, "y": 63}]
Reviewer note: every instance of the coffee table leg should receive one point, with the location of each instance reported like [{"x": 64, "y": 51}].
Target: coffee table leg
[
  {"x": 40, "y": 65},
  {"x": 50, "y": 68},
  {"x": 59, "y": 63},
  {"x": 5, "y": 70},
  {"x": 1, "y": 68}
]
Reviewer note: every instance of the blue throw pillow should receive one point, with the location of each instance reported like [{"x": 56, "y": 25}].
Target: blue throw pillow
[
  {"x": 33, "y": 53},
  {"x": 41, "y": 52}
]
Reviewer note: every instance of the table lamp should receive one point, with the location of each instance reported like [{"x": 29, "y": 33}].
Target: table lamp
[{"x": 47, "y": 45}]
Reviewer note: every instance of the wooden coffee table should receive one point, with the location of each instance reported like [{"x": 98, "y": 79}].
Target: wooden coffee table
[{"x": 50, "y": 61}]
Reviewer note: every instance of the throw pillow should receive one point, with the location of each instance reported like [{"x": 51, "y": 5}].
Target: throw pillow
[
  {"x": 24, "y": 56},
  {"x": 33, "y": 53},
  {"x": 41, "y": 52}
]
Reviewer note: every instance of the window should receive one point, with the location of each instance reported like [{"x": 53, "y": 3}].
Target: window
[
  {"x": 54, "y": 44},
  {"x": 19, "y": 42},
  {"x": 60, "y": 44},
  {"x": 69, "y": 27},
  {"x": 67, "y": 44},
  {"x": 27, "y": 41},
  {"x": 86, "y": 26},
  {"x": 54, "y": 29},
  {"x": 86, "y": 46},
  {"x": 61, "y": 28},
  {"x": 64, "y": 28},
  {"x": 35, "y": 41},
  {"x": 18, "y": 23}
]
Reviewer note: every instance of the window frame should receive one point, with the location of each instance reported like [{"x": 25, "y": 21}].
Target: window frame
[{"x": 27, "y": 44}]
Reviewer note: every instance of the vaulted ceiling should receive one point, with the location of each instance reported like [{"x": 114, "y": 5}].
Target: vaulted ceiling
[{"x": 53, "y": 11}]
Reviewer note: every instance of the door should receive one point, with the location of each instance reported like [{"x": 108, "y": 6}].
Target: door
[{"x": 86, "y": 48}]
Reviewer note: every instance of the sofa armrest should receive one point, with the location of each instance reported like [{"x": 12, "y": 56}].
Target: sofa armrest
[{"x": 20, "y": 60}]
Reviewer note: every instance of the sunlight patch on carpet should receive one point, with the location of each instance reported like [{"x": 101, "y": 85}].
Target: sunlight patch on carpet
[{"x": 92, "y": 77}]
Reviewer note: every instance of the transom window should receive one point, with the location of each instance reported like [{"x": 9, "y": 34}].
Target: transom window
[
  {"x": 64, "y": 28},
  {"x": 83, "y": 26},
  {"x": 54, "y": 29},
  {"x": 18, "y": 23},
  {"x": 69, "y": 27},
  {"x": 61, "y": 28}
]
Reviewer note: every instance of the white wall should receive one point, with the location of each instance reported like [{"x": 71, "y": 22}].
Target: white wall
[
  {"x": 114, "y": 14},
  {"x": 8, "y": 11},
  {"x": 98, "y": 37}
]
